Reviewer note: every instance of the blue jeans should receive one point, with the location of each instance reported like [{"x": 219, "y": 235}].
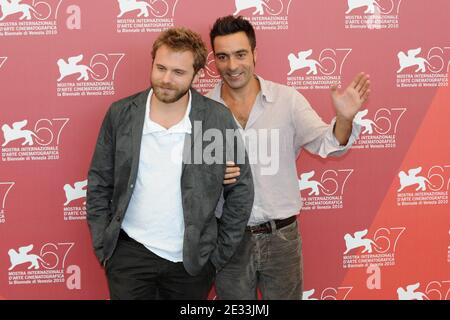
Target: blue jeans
[{"x": 271, "y": 262}]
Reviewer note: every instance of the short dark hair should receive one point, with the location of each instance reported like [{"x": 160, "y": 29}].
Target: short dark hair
[
  {"x": 229, "y": 25},
  {"x": 183, "y": 39}
]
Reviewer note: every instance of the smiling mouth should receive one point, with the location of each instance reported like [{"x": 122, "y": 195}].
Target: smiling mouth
[{"x": 236, "y": 75}]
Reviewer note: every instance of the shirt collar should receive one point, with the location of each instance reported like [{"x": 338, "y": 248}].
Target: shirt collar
[
  {"x": 265, "y": 90},
  {"x": 184, "y": 126}
]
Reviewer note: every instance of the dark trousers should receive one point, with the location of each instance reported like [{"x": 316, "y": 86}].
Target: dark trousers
[{"x": 136, "y": 273}]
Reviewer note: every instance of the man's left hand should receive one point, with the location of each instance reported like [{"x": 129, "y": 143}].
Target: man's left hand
[{"x": 348, "y": 102}]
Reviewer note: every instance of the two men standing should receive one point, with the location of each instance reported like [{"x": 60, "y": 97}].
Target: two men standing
[{"x": 151, "y": 209}]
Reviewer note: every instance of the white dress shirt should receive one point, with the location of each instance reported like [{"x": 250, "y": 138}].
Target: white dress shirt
[{"x": 285, "y": 110}]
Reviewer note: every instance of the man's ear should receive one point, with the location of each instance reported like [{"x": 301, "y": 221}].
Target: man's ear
[{"x": 255, "y": 55}]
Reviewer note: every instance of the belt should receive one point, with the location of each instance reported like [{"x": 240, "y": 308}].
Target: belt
[{"x": 266, "y": 227}]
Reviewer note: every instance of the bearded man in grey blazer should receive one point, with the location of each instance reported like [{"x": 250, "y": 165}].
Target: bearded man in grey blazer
[{"x": 155, "y": 180}]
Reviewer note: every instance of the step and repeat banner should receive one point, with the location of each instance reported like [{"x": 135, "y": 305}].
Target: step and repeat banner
[{"x": 375, "y": 223}]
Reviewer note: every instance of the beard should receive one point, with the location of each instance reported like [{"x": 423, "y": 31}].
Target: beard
[{"x": 171, "y": 96}]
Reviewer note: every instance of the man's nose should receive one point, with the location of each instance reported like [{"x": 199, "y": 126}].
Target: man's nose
[
  {"x": 167, "y": 77},
  {"x": 232, "y": 63}
]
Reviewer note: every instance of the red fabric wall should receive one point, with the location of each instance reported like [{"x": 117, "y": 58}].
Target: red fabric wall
[{"x": 377, "y": 227}]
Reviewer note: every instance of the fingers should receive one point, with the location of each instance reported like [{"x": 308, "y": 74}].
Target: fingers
[
  {"x": 231, "y": 167},
  {"x": 361, "y": 85},
  {"x": 362, "y": 79},
  {"x": 364, "y": 89},
  {"x": 232, "y": 175},
  {"x": 231, "y": 172},
  {"x": 229, "y": 181},
  {"x": 356, "y": 80},
  {"x": 365, "y": 96}
]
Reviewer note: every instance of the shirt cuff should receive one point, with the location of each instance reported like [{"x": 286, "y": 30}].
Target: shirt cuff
[{"x": 334, "y": 143}]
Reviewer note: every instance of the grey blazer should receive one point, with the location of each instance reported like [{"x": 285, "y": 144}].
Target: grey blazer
[{"x": 113, "y": 173}]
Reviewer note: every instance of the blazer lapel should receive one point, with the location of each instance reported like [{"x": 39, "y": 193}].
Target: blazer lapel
[
  {"x": 137, "y": 119},
  {"x": 195, "y": 138}
]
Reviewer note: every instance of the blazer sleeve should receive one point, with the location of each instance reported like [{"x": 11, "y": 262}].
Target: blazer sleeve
[
  {"x": 101, "y": 185},
  {"x": 238, "y": 198}
]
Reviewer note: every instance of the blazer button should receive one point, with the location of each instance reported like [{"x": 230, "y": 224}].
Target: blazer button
[
  {"x": 131, "y": 186},
  {"x": 118, "y": 218}
]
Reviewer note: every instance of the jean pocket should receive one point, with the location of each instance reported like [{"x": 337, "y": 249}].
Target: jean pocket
[{"x": 289, "y": 233}]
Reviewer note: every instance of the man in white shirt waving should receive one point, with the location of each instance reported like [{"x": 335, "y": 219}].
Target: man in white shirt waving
[{"x": 269, "y": 114}]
